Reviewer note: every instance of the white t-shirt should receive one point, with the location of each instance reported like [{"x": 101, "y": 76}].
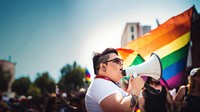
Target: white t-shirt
[{"x": 97, "y": 91}]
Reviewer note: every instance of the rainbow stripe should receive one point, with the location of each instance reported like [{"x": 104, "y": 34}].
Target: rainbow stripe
[
  {"x": 87, "y": 75},
  {"x": 170, "y": 41},
  {"x": 130, "y": 57}
]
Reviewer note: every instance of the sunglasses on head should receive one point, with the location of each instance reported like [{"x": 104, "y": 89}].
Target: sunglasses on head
[{"x": 115, "y": 60}]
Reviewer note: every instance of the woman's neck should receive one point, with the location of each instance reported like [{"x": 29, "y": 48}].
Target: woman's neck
[{"x": 196, "y": 89}]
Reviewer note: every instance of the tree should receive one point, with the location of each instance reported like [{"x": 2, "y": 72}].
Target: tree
[
  {"x": 34, "y": 91},
  {"x": 72, "y": 77},
  {"x": 21, "y": 85},
  {"x": 45, "y": 83}
]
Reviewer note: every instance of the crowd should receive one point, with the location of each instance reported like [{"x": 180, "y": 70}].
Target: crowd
[
  {"x": 64, "y": 102},
  {"x": 186, "y": 99},
  {"x": 105, "y": 94}
]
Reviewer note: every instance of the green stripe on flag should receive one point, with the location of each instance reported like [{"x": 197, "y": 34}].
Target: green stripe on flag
[
  {"x": 174, "y": 57},
  {"x": 137, "y": 60}
]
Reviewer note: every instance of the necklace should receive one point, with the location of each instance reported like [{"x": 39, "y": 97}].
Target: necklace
[
  {"x": 106, "y": 78},
  {"x": 103, "y": 77}
]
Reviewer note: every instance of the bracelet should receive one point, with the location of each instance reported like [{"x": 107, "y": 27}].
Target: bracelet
[{"x": 133, "y": 101}]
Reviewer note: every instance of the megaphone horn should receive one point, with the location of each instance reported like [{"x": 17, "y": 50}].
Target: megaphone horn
[{"x": 152, "y": 68}]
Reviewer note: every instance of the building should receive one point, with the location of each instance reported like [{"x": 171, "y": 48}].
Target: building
[
  {"x": 145, "y": 29},
  {"x": 7, "y": 74},
  {"x": 133, "y": 31}
]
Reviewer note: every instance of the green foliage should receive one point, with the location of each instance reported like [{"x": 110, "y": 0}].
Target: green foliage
[
  {"x": 72, "y": 77},
  {"x": 34, "y": 91},
  {"x": 45, "y": 83},
  {"x": 21, "y": 85}
]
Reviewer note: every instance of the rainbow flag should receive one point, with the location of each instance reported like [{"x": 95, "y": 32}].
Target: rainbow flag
[
  {"x": 87, "y": 75},
  {"x": 170, "y": 41},
  {"x": 130, "y": 57}
]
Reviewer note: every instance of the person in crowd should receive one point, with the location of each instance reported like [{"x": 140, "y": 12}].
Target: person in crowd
[
  {"x": 187, "y": 98},
  {"x": 52, "y": 104},
  {"x": 71, "y": 102},
  {"x": 3, "y": 104},
  {"x": 151, "y": 102},
  {"x": 104, "y": 94}
]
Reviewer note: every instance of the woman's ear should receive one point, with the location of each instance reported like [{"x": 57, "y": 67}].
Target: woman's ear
[{"x": 102, "y": 66}]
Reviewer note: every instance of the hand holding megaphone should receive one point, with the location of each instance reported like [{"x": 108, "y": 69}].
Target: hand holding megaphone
[
  {"x": 126, "y": 81},
  {"x": 151, "y": 68}
]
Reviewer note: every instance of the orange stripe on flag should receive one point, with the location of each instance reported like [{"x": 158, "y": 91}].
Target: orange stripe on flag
[{"x": 166, "y": 33}]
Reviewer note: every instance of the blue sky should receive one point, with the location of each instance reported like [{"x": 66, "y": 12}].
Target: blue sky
[{"x": 45, "y": 35}]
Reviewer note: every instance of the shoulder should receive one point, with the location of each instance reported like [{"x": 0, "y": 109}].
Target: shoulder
[
  {"x": 99, "y": 85},
  {"x": 183, "y": 88},
  {"x": 181, "y": 93},
  {"x": 99, "y": 89}
]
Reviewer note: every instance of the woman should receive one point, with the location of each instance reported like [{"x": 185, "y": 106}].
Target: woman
[
  {"x": 187, "y": 98},
  {"x": 104, "y": 94},
  {"x": 151, "y": 102}
]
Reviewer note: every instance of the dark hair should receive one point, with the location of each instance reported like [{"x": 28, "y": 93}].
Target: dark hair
[
  {"x": 149, "y": 80},
  {"x": 98, "y": 58}
]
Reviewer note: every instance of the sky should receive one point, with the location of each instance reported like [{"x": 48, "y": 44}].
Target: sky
[{"x": 45, "y": 35}]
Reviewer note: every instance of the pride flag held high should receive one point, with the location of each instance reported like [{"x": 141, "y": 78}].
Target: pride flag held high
[
  {"x": 87, "y": 75},
  {"x": 170, "y": 41}
]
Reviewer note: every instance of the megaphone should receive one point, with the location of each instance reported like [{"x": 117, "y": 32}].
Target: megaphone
[{"x": 152, "y": 68}]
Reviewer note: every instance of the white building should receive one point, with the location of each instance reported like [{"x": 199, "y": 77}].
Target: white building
[{"x": 133, "y": 31}]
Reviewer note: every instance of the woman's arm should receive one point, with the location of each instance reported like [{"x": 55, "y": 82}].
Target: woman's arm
[
  {"x": 179, "y": 98},
  {"x": 170, "y": 104},
  {"x": 117, "y": 103},
  {"x": 142, "y": 104}
]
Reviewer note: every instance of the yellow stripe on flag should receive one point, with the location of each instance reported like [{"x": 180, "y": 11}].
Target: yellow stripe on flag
[{"x": 173, "y": 46}]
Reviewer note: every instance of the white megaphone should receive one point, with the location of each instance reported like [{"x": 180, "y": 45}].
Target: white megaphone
[{"x": 152, "y": 68}]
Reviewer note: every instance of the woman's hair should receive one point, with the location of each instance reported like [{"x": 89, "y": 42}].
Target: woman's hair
[
  {"x": 99, "y": 58},
  {"x": 150, "y": 80}
]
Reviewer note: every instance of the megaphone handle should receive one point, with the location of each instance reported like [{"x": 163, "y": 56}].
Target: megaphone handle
[{"x": 151, "y": 89}]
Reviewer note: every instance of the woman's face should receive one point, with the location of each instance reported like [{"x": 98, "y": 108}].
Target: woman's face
[
  {"x": 196, "y": 77},
  {"x": 114, "y": 67}
]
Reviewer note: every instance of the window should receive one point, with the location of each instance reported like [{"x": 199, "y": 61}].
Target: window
[
  {"x": 132, "y": 29},
  {"x": 132, "y": 37}
]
